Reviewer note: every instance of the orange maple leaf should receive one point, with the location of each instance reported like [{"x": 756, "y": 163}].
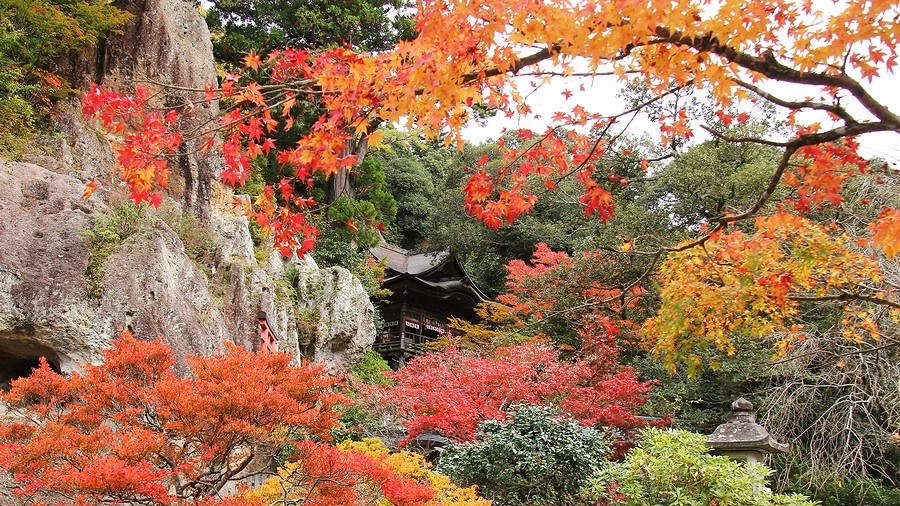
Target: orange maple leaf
[
  {"x": 375, "y": 138},
  {"x": 887, "y": 232},
  {"x": 89, "y": 189},
  {"x": 252, "y": 61}
]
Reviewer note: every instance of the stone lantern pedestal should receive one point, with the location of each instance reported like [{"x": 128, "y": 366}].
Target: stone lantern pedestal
[{"x": 741, "y": 438}]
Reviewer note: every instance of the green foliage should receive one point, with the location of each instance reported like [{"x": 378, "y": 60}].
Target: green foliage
[
  {"x": 702, "y": 402},
  {"x": 361, "y": 214},
  {"x": 241, "y": 26},
  {"x": 672, "y": 467},
  {"x": 32, "y": 34},
  {"x": 351, "y": 226},
  {"x": 199, "y": 243},
  {"x": 55, "y": 27},
  {"x": 414, "y": 173},
  {"x": 356, "y": 421},
  {"x": 533, "y": 459},
  {"x": 427, "y": 182},
  {"x": 855, "y": 492},
  {"x": 712, "y": 179},
  {"x": 16, "y": 113},
  {"x": 104, "y": 237},
  {"x": 370, "y": 369},
  {"x": 16, "y": 125},
  {"x": 370, "y": 184}
]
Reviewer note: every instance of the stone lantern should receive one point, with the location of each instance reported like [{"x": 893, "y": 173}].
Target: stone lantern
[{"x": 741, "y": 438}]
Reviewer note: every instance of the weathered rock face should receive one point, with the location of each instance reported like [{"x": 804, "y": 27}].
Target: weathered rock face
[
  {"x": 149, "y": 283},
  {"x": 151, "y": 286},
  {"x": 42, "y": 261},
  {"x": 345, "y": 329},
  {"x": 166, "y": 43}
]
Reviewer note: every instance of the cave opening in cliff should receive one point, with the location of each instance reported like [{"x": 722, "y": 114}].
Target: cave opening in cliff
[{"x": 19, "y": 358}]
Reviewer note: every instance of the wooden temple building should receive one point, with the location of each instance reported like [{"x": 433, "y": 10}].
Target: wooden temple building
[{"x": 427, "y": 288}]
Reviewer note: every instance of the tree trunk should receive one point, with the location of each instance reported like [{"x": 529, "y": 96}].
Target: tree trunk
[{"x": 341, "y": 182}]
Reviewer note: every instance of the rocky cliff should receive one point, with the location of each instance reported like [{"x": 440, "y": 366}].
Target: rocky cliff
[{"x": 73, "y": 271}]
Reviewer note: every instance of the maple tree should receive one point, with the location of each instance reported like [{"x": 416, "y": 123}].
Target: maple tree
[
  {"x": 591, "y": 293},
  {"x": 757, "y": 282},
  {"x": 131, "y": 431},
  {"x": 730, "y": 51},
  {"x": 451, "y": 391}
]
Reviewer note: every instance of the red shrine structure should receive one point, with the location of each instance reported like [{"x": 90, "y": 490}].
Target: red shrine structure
[
  {"x": 268, "y": 340},
  {"x": 427, "y": 288}
]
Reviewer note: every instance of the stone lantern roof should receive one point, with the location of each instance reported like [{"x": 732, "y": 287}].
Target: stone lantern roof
[{"x": 741, "y": 433}]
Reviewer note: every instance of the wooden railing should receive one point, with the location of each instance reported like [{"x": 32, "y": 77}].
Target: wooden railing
[{"x": 406, "y": 341}]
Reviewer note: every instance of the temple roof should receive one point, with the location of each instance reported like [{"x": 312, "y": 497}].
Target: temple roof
[
  {"x": 403, "y": 261},
  {"x": 438, "y": 271}
]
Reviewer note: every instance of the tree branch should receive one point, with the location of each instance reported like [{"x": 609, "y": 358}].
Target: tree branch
[
  {"x": 846, "y": 296},
  {"x": 770, "y": 67},
  {"x": 834, "y": 109}
]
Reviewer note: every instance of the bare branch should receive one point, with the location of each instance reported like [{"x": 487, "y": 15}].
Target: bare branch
[{"x": 834, "y": 109}]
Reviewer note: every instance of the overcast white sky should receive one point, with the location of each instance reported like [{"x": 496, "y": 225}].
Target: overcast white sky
[{"x": 600, "y": 96}]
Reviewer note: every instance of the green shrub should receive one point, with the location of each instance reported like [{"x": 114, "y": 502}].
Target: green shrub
[
  {"x": 53, "y": 28},
  {"x": 673, "y": 467},
  {"x": 370, "y": 370},
  {"x": 533, "y": 459},
  {"x": 16, "y": 113},
  {"x": 16, "y": 125},
  {"x": 104, "y": 237},
  {"x": 33, "y": 33}
]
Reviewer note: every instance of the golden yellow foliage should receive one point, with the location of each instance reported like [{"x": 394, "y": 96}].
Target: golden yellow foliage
[
  {"x": 496, "y": 326},
  {"x": 753, "y": 283},
  {"x": 366, "y": 470},
  {"x": 413, "y": 465}
]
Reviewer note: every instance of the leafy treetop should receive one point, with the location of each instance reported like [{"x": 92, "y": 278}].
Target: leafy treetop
[
  {"x": 734, "y": 51},
  {"x": 241, "y": 27},
  {"x": 132, "y": 431}
]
